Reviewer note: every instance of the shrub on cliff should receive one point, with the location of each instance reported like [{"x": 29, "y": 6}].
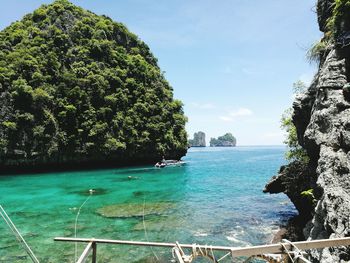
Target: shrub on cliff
[
  {"x": 76, "y": 86},
  {"x": 295, "y": 151}
]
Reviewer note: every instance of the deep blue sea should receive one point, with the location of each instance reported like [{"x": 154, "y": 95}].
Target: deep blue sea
[{"x": 216, "y": 198}]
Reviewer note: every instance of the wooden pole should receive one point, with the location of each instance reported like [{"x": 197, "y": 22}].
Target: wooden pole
[{"x": 94, "y": 252}]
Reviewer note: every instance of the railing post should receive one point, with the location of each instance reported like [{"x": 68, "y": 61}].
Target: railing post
[
  {"x": 94, "y": 251},
  {"x": 86, "y": 253}
]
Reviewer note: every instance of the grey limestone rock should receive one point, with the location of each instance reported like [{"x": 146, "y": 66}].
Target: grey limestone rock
[
  {"x": 324, "y": 10},
  {"x": 322, "y": 118},
  {"x": 198, "y": 140}
]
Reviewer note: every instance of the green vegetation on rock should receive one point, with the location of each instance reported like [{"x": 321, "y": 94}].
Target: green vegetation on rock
[
  {"x": 334, "y": 21},
  {"x": 295, "y": 151},
  {"x": 308, "y": 195},
  {"x": 227, "y": 140},
  {"x": 318, "y": 50},
  {"x": 78, "y": 87},
  {"x": 339, "y": 22}
]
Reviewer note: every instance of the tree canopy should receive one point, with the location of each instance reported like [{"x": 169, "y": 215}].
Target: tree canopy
[{"x": 75, "y": 86}]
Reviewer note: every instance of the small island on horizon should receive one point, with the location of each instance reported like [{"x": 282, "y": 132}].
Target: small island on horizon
[
  {"x": 227, "y": 140},
  {"x": 198, "y": 140}
]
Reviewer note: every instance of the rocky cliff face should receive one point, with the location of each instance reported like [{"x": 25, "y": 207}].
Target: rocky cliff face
[{"x": 322, "y": 118}]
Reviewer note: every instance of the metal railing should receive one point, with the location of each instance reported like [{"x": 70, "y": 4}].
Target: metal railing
[
  {"x": 285, "y": 247},
  {"x": 17, "y": 234}
]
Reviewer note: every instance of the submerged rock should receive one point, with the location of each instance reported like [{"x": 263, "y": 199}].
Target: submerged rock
[
  {"x": 134, "y": 210},
  {"x": 152, "y": 259},
  {"x": 158, "y": 223}
]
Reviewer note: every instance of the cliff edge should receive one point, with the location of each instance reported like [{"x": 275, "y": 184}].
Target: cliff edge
[{"x": 320, "y": 189}]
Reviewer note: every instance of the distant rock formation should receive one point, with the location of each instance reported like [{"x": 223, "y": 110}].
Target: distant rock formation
[
  {"x": 198, "y": 140},
  {"x": 227, "y": 140}
]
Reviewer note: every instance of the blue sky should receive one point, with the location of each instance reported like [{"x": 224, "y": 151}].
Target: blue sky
[{"x": 231, "y": 62}]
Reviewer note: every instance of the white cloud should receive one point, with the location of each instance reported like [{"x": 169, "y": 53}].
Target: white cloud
[
  {"x": 203, "y": 106},
  {"x": 225, "y": 118},
  {"x": 241, "y": 112}
]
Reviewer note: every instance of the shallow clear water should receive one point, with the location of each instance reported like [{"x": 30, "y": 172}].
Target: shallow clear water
[{"x": 215, "y": 198}]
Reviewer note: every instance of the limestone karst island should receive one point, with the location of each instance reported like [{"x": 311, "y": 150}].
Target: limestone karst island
[
  {"x": 81, "y": 89},
  {"x": 198, "y": 140},
  {"x": 227, "y": 140},
  {"x": 175, "y": 131}
]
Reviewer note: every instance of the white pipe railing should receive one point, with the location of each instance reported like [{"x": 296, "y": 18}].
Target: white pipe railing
[
  {"x": 17, "y": 234},
  {"x": 279, "y": 248}
]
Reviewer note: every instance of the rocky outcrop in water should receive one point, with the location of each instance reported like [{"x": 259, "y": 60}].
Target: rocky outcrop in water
[
  {"x": 227, "y": 140},
  {"x": 198, "y": 140},
  {"x": 322, "y": 118}
]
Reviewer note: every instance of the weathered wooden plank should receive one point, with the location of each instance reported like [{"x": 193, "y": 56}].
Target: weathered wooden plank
[
  {"x": 85, "y": 253},
  {"x": 236, "y": 251}
]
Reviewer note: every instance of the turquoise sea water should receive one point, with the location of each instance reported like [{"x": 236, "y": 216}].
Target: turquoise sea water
[{"x": 215, "y": 198}]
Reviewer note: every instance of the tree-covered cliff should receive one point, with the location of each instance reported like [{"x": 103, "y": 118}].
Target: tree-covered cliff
[{"x": 76, "y": 87}]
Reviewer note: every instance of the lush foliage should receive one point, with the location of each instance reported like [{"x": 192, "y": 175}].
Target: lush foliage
[
  {"x": 226, "y": 140},
  {"x": 76, "y": 86},
  {"x": 295, "y": 151}
]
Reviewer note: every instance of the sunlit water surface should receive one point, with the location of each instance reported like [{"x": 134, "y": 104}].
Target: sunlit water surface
[{"x": 215, "y": 198}]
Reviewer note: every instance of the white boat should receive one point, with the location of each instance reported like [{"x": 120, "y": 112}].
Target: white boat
[{"x": 165, "y": 163}]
